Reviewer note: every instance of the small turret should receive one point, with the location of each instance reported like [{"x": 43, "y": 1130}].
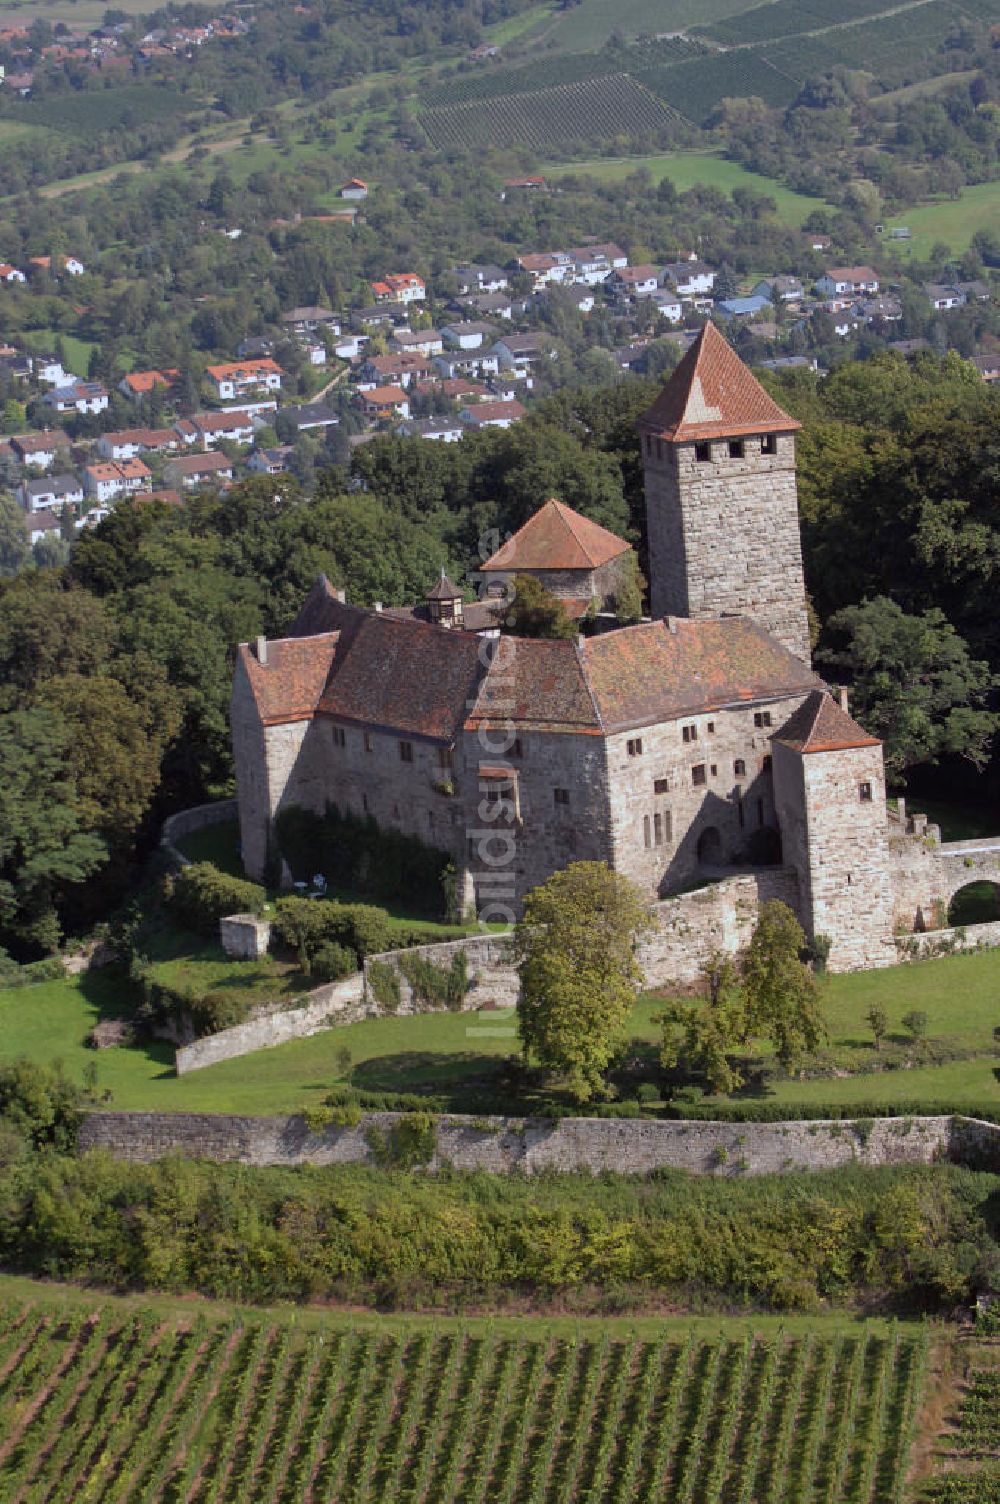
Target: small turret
[{"x": 444, "y": 602}]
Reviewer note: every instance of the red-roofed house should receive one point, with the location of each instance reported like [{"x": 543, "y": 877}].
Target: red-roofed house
[
  {"x": 10, "y": 274},
  {"x": 354, "y": 188},
  {"x": 399, "y": 287},
  {"x": 140, "y": 384},
  {"x": 385, "y": 402},
  {"x": 572, "y": 556},
  {"x": 116, "y": 478},
  {"x": 240, "y": 378},
  {"x": 492, "y": 414}
]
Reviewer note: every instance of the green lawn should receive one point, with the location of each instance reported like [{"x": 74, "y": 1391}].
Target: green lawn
[
  {"x": 78, "y": 351},
  {"x": 445, "y": 1052},
  {"x": 688, "y": 168}
]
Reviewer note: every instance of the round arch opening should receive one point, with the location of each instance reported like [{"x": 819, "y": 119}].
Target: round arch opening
[
  {"x": 975, "y": 903},
  {"x": 710, "y": 847}
]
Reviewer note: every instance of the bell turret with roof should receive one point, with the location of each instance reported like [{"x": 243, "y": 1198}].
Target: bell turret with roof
[
  {"x": 444, "y": 602},
  {"x": 573, "y": 557},
  {"x": 721, "y": 506},
  {"x": 829, "y": 794}
]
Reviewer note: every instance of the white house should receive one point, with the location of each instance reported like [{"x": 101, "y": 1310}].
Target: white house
[
  {"x": 354, "y": 188},
  {"x": 446, "y": 430},
  {"x": 79, "y": 396},
  {"x": 50, "y": 372},
  {"x": 10, "y": 273},
  {"x": 546, "y": 267},
  {"x": 633, "y": 281},
  {"x": 492, "y": 414},
  {"x": 53, "y": 493},
  {"x": 348, "y": 346},
  {"x": 667, "y": 304},
  {"x": 788, "y": 289},
  {"x": 480, "y": 278},
  {"x": 418, "y": 342},
  {"x": 690, "y": 278},
  {"x": 517, "y": 353},
  {"x": 116, "y": 478},
  {"x": 41, "y": 524},
  {"x": 941, "y": 296},
  {"x": 237, "y": 378},
  {"x": 270, "y": 461},
  {"x": 593, "y": 263},
  {"x": 192, "y": 470},
  {"x": 40, "y": 449},
  {"x": 400, "y": 287},
  {"x": 467, "y": 335},
  {"x": 475, "y": 364},
  {"x": 847, "y": 282}
]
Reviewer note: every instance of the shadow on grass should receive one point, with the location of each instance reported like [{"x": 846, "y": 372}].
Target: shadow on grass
[{"x": 425, "y": 1073}]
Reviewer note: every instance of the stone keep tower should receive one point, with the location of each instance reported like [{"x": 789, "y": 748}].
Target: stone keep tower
[
  {"x": 721, "y": 507},
  {"x": 829, "y": 792}
]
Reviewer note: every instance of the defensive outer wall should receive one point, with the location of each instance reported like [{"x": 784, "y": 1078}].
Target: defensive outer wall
[{"x": 502, "y": 1146}]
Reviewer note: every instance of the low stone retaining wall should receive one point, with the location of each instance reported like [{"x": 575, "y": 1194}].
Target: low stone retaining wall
[
  {"x": 493, "y": 980},
  {"x": 197, "y": 818},
  {"x": 338, "y": 1003},
  {"x": 693, "y": 927},
  {"x": 532, "y": 1146},
  {"x": 925, "y": 943}
]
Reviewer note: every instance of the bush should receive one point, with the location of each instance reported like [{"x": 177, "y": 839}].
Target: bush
[
  {"x": 306, "y": 925},
  {"x": 436, "y": 986},
  {"x": 332, "y": 962},
  {"x": 383, "y": 983},
  {"x": 216, "y": 1011},
  {"x": 200, "y": 895},
  {"x": 40, "y": 1103}
]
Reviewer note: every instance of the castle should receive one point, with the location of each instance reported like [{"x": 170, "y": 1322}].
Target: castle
[{"x": 688, "y": 746}]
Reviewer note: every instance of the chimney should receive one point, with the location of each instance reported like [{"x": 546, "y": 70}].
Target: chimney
[
  {"x": 842, "y": 697},
  {"x": 341, "y": 596},
  {"x": 262, "y": 650}
]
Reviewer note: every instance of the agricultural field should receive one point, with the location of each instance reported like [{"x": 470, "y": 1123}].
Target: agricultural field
[
  {"x": 605, "y": 107},
  {"x": 952, "y": 221},
  {"x": 90, "y": 111},
  {"x": 695, "y": 88},
  {"x": 588, "y": 25},
  {"x": 783, "y": 18},
  {"x": 690, "y": 169},
  {"x": 113, "y": 1401}
]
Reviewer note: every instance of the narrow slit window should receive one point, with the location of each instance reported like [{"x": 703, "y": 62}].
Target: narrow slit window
[
  {"x": 369, "y": 742},
  {"x": 645, "y": 832},
  {"x": 339, "y": 736},
  {"x": 406, "y": 751},
  {"x": 769, "y": 444},
  {"x": 658, "y": 830}
]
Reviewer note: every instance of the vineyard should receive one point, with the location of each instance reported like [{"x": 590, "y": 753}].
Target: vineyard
[
  {"x": 596, "y": 109},
  {"x": 112, "y": 1406},
  {"x": 695, "y": 88},
  {"x": 92, "y": 111},
  {"x": 547, "y": 72},
  {"x": 785, "y": 18}
]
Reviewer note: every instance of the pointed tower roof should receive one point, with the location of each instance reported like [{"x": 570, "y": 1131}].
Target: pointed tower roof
[
  {"x": 713, "y": 395},
  {"x": 556, "y": 537},
  {"x": 443, "y": 590},
  {"x": 819, "y": 725}
]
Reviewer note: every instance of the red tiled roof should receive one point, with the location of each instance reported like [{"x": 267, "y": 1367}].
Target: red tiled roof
[
  {"x": 663, "y": 669},
  {"x": 712, "y": 394},
  {"x": 536, "y": 683},
  {"x": 289, "y": 685},
  {"x": 819, "y": 725},
  {"x": 556, "y": 537}
]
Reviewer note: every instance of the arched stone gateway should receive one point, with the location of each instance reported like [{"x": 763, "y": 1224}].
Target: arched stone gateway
[{"x": 976, "y": 903}]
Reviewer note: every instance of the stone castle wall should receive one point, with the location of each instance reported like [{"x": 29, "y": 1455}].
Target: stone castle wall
[
  {"x": 534, "y": 1146},
  {"x": 326, "y": 1007},
  {"x": 187, "y": 821},
  {"x": 493, "y": 979}
]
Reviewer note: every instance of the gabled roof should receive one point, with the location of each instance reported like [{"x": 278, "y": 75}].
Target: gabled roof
[
  {"x": 288, "y": 686},
  {"x": 556, "y": 537},
  {"x": 712, "y": 394},
  {"x": 820, "y": 725},
  {"x": 660, "y": 670}
]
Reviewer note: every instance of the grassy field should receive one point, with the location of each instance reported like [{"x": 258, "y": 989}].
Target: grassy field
[
  {"x": 446, "y": 1054},
  {"x": 953, "y": 221},
  {"x": 686, "y": 169},
  {"x": 78, "y": 351},
  {"x": 77, "y": 14},
  {"x": 111, "y": 1400}
]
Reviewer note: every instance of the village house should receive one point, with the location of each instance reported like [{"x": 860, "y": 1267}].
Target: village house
[
  {"x": 502, "y": 414},
  {"x": 941, "y": 296},
  {"x": 468, "y": 334},
  {"x": 593, "y": 264},
  {"x": 443, "y": 430},
  {"x": 690, "y": 279},
  {"x": 69, "y": 264},
  {"x": 787, "y": 289},
  {"x": 240, "y": 379},
  {"x": 469, "y": 363},
  {"x": 519, "y": 353},
  {"x": 400, "y": 287},
  {"x": 11, "y": 274},
  {"x": 842, "y": 284},
  {"x": 140, "y": 384},
  {"x": 742, "y": 308},
  {"x": 494, "y": 305},
  {"x": 270, "y": 461},
  {"x": 354, "y": 188},
  {"x": 205, "y": 430},
  {"x": 116, "y": 478},
  {"x": 43, "y": 524},
  {"x": 480, "y": 278},
  {"x": 988, "y": 366},
  {"x": 53, "y": 493},
  {"x": 667, "y": 304},
  {"x": 418, "y": 341},
  {"x": 633, "y": 282},
  {"x": 40, "y": 449},
  {"x": 401, "y": 369},
  {"x": 545, "y": 267},
  {"x": 574, "y": 558},
  {"x": 310, "y": 320},
  {"x": 84, "y": 397},
  {"x": 130, "y": 443},
  {"x": 309, "y": 417},
  {"x": 188, "y": 471},
  {"x": 384, "y": 402}
]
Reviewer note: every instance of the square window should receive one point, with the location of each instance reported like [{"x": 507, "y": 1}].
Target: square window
[
  {"x": 762, "y": 718},
  {"x": 735, "y": 449},
  {"x": 661, "y": 785},
  {"x": 444, "y": 757},
  {"x": 339, "y": 737},
  {"x": 769, "y": 444},
  {"x": 711, "y": 728},
  {"x": 406, "y": 751},
  {"x": 703, "y": 453},
  {"x": 865, "y": 793},
  {"x": 689, "y": 733},
  {"x": 698, "y": 775},
  {"x": 635, "y": 746},
  {"x": 561, "y": 796}
]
